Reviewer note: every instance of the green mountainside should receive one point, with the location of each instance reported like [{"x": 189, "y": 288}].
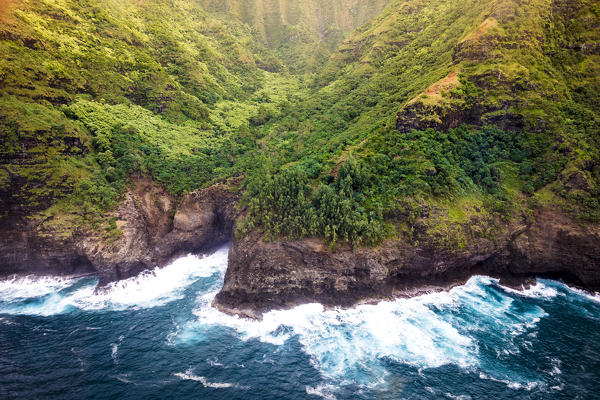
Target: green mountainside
[
  {"x": 97, "y": 90},
  {"x": 350, "y": 121},
  {"x": 302, "y": 33},
  {"x": 458, "y": 110}
]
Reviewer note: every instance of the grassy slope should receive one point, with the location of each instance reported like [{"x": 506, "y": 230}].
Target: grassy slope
[
  {"x": 91, "y": 92},
  {"x": 529, "y": 68},
  {"x": 67, "y": 63}
]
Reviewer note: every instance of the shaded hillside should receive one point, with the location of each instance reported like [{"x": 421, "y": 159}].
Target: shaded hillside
[
  {"x": 167, "y": 64},
  {"x": 471, "y": 109},
  {"x": 302, "y": 33},
  {"x": 422, "y": 117}
]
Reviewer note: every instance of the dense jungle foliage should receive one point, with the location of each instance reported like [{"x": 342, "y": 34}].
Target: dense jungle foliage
[{"x": 349, "y": 121}]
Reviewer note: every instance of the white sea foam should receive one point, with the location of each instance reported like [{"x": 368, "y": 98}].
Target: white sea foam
[
  {"x": 27, "y": 287},
  {"x": 160, "y": 286},
  {"x": 539, "y": 290},
  {"x": 595, "y": 297},
  {"x": 114, "y": 349},
  {"x": 346, "y": 345},
  {"x": 214, "y": 363},
  {"x": 325, "y": 391},
  {"x": 529, "y": 386},
  {"x": 349, "y": 345},
  {"x": 47, "y": 296},
  {"x": 189, "y": 376},
  {"x": 556, "y": 363},
  {"x": 457, "y": 397},
  {"x": 123, "y": 378},
  {"x": 341, "y": 342},
  {"x": 549, "y": 289}
]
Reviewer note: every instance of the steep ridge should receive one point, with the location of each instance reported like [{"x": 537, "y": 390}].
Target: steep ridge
[
  {"x": 303, "y": 34},
  {"x": 453, "y": 137},
  {"x": 522, "y": 68}
]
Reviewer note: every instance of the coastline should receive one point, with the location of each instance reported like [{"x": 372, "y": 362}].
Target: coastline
[{"x": 280, "y": 274}]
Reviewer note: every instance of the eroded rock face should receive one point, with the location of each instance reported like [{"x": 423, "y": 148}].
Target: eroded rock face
[
  {"x": 155, "y": 230},
  {"x": 556, "y": 246},
  {"x": 272, "y": 275},
  {"x": 263, "y": 276}
]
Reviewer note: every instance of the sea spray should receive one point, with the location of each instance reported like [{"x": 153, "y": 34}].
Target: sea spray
[
  {"x": 481, "y": 331},
  {"x": 48, "y": 296},
  {"x": 351, "y": 345}
]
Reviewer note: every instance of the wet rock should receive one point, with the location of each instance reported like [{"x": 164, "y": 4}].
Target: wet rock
[
  {"x": 282, "y": 274},
  {"x": 155, "y": 230}
]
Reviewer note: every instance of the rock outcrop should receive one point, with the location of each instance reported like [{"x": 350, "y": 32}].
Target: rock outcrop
[
  {"x": 267, "y": 275},
  {"x": 154, "y": 231},
  {"x": 272, "y": 275}
]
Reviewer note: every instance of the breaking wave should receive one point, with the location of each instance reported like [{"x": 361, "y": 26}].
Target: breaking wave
[
  {"x": 478, "y": 328},
  {"x": 46, "y": 296},
  {"x": 353, "y": 346}
]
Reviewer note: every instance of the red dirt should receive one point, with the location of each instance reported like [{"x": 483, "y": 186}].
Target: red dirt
[
  {"x": 437, "y": 87},
  {"x": 6, "y": 7}
]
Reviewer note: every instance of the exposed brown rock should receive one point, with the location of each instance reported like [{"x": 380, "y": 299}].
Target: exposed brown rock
[
  {"x": 441, "y": 117},
  {"x": 266, "y": 275},
  {"x": 155, "y": 230}
]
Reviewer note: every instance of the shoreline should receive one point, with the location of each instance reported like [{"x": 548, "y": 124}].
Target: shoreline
[
  {"x": 257, "y": 312},
  {"x": 516, "y": 284}
]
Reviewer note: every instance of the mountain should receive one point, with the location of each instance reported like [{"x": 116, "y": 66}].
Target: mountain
[
  {"x": 417, "y": 131},
  {"x": 456, "y": 138},
  {"x": 399, "y": 93},
  {"x": 100, "y": 57},
  {"x": 303, "y": 34}
]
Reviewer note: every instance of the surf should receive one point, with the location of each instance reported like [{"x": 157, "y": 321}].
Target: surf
[
  {"x": 48, "y": 296},
  {"x": 478, "y": 329}
]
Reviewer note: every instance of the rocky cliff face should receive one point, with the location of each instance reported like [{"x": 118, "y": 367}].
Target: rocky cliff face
[
  {"x": 154, "y": 231},
  {"x": 266, "y": 275}
]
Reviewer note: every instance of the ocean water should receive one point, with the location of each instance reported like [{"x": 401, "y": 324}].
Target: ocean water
[{"x": 157, "y": 337}]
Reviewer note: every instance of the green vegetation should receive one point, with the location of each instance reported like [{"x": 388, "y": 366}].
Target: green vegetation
[
  {"x": 285, "y": 203},
  {"x": 437, "y": 64},
  {"x": 351, "y": 121},
  {"x": 93, "y": 91},
  {"x": 302, "y": 34}
]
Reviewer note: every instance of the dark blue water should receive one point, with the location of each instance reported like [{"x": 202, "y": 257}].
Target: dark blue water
[{"x": 156, "y": 337}]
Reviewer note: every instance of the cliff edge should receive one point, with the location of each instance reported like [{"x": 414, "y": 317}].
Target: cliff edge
[
  {"x": 153, "y": 229},
  {"x": 282, "y": 274}
]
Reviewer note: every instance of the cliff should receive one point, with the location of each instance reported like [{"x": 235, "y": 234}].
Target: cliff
[
  {"x": 151, "y": 230},
  {"x": 457, "y": 137},
  {"x": 281, "y": 274}
]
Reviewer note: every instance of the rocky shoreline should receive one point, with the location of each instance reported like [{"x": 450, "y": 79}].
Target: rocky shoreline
[
  {"x": 154, "y": 229},
  {"x": 263, "y": 276}
]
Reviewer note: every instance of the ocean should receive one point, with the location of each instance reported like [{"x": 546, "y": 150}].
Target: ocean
[{"x": 157, "y": 337}]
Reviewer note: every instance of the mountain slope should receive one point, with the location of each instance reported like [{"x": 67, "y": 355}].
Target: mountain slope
[
  {"x": 58, "y": 55},
  {"x": 521, "y": 79},
  {"x": 457, "y": 138},
  {"x": 431, "y": 123},
  {"x": 303, "y": 34}
]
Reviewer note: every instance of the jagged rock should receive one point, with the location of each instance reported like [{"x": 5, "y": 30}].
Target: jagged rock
[
  {"x": 281, "y": 274},
  {"x": 155, "y": 230}
]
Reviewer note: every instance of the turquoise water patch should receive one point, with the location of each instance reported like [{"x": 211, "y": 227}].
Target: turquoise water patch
[{"x": 157, "y": 336}]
